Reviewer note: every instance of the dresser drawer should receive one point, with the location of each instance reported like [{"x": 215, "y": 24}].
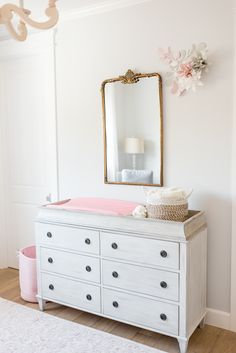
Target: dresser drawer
[
  {"x": 83, "y": 240},
  {"x": 141, "y": 311},
  {"x": 71, "y": 292},
  {"x": 140, "y": 250},
  {"x": 74, "y": 265},
  {"x": 144, "y": 280}
]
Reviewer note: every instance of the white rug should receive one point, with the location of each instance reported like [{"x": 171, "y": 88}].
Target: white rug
[{"x": 24, "y": 330}]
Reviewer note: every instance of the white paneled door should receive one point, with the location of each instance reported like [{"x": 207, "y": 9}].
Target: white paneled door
[{"x": 29, "y": 138}]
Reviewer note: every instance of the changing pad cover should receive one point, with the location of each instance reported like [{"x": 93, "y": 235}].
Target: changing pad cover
[{"x": 96, "y": 205}]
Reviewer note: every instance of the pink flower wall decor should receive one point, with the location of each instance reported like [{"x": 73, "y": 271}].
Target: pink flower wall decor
[{"x": 186, "y": 68}]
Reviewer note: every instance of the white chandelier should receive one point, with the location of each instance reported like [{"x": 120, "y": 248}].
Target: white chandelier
[{"x": 20, "y": 32}]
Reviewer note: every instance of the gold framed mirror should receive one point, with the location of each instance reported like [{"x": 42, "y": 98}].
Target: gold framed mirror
[{"x": 133, "y": 129}]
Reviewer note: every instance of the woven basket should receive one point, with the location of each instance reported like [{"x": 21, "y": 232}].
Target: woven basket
[{"x": 177, "y": 212}]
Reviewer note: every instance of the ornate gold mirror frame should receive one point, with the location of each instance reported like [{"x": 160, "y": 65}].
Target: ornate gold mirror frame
[{"x": 131, "y": 78}]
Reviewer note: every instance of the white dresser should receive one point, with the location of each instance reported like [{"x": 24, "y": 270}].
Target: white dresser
[{"x": 147, "y": 273}]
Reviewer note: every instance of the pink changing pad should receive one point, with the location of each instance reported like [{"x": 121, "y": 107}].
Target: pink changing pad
[{"x": 97, "y": 205}]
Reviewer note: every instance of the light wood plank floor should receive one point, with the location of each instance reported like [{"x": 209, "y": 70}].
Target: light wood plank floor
[{"x": 208, "y": 340}]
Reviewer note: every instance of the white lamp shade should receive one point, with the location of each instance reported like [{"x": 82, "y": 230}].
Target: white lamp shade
[{"x": 134, "y": 145}]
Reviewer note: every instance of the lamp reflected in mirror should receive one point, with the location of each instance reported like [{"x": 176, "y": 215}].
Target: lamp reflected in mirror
[{"x": 134, "y": 146}]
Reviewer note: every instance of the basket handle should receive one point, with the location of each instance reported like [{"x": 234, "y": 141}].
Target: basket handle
[
  {"x": 145, "y": 190},
  {"x": 188, "y": 193}
]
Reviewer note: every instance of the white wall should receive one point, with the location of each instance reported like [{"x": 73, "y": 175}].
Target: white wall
[
  {"x": 197, "y": 128},
  {"x": 2, "y": 176},
  {"x": 233, "y": 244}
]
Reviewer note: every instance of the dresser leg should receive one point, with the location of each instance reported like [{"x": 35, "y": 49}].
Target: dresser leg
[
  {"x": 202, "y": 323},
  {"x": 183, "y": 345},
  {"x": 42, "y": 304}
]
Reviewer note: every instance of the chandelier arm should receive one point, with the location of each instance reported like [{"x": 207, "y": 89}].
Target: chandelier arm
[
  {"x": 19, "y": 35},
  {"x": 7, "y": 11}
]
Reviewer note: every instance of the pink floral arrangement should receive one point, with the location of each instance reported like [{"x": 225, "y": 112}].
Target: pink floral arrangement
[{"x": 186, "y": 68}]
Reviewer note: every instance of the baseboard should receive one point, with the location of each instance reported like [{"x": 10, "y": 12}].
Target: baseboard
[{"x": 218, "y": 318}]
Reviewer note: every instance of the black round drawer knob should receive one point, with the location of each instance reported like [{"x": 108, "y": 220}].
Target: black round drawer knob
[
  {"x": 87, "y": 241},
  {"x": 163, "y": 317},
  {"x": 163, "y": 284},
  {"x": 50, "y": 260},
  {"x": 89, "y": 297},
  {"x": 115, "y": 304},
  {"x": 49, "y": 234},
  {"x": 115, "y": 274},
  {"x": 88, "y": 269},
  {"x": 51, "y": 286},
  {"x": 114, "y": 246},
  {"x": 163, "y": 253}
]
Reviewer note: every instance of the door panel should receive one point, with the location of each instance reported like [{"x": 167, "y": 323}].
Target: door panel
[{"x": 30, "y": 141}]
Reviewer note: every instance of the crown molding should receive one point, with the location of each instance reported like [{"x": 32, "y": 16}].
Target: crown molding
[{"x": 105, "y": 6}]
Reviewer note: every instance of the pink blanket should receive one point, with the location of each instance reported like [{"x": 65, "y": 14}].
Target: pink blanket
[{"x": 97, "y": 205}]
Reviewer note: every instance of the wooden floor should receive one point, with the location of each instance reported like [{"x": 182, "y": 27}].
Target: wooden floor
[{"x": 208, "y": 340}]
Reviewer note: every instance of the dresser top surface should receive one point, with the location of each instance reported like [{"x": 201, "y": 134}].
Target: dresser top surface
[{"x": 171, "y": 230}]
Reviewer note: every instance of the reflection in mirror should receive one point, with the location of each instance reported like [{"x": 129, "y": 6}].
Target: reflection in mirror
[{"x": 132, "y": 110}]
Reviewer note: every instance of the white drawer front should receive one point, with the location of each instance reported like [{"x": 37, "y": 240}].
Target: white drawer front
[
  {"x": 77, "y": 239},
  {"x": 71, "y": 292},
  {"x": 141, "y": 311},
  {"x": 74, "y": 265},
  {"x": 144, "y": 280},
  {"x": 140, "y": 250}
]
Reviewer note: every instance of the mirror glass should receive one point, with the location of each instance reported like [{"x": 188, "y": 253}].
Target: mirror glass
[{"x": 133, "y": 129}]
